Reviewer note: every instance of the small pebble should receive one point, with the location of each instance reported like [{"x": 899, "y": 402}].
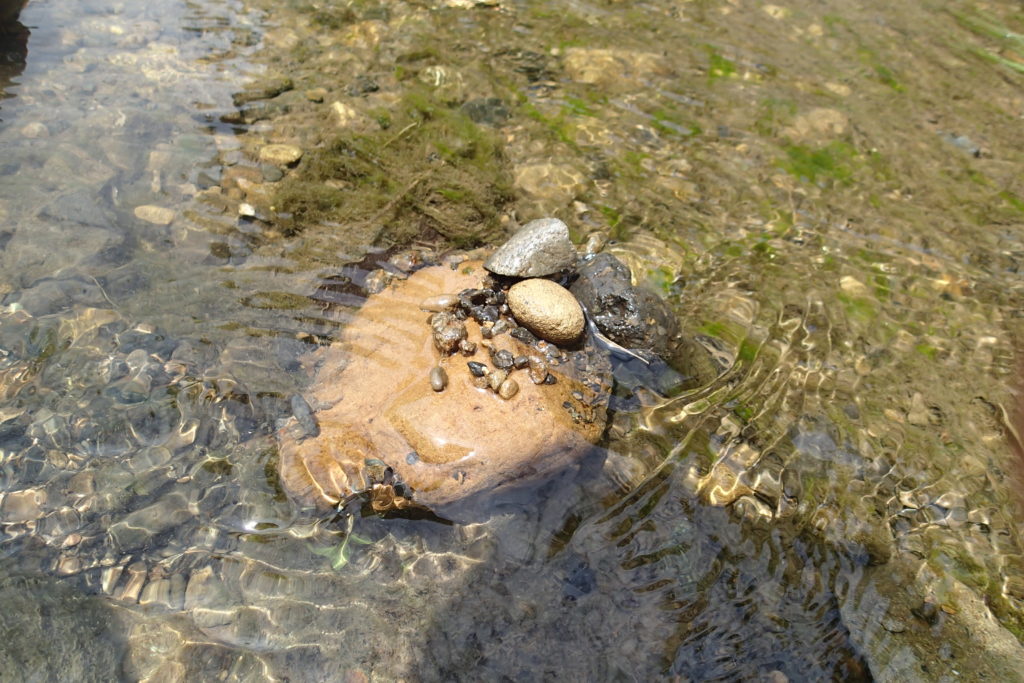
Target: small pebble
[
  {"x": 523, "y": 335},
  {"x": 538, "y": 369},
  {"x": 500, "y": 327},
  {"x": 497, "y": 378},
  {"x": 508, "y": 389},
  {"x": 485, "y": 314},
  {"x": 520, "y": 362},
  {"x": 595, "y": 243},
  {"x": 550, "y": 379},
  {"x": 438, "y": 378},
  {"x": 448, "y": 331},
  {"x": 481, "y": 382},
  {"x": 477, "y": 369},
  {"x": 467, "y": 347},
  {"x": 158, "y": 215},
  {"x": 443, "y": 302},
  {"x": 502, "y": 359}
]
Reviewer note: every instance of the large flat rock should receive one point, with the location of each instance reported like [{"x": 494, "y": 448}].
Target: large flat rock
[{"x": 375, "y": 401}]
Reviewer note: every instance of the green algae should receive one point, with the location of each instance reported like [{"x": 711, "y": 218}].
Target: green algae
[
  {"x": 833, "y": 162},
  {"x": 440, "y": 174}
]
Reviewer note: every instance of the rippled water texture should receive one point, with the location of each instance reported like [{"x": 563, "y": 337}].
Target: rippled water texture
[{"x": 830, "y": 198}]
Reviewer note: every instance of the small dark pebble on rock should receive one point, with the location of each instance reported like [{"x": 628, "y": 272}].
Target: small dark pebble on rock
[
  {"x": 485, "y": 314},
  {"x": 520, "y": 362},
  {"x": 523, "y": 335},
  {"x": 502, "y": 359},
  {"x": 470, "y": 298},
  {"x": 477, "y": 369}
]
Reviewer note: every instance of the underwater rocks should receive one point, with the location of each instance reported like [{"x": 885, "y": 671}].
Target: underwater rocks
[
  {"x": 157, "y": 215},
  {"x": 450, "y": 445},
  {"x": 541, "y": 247},
  {"x": 547, "y": 309},
  {"x": 913, "y": 624},
  {"x": 280, "y": 155}
]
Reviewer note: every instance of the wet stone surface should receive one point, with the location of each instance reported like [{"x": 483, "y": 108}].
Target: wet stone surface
[
  {"x": 458, "y": 430},
  {"x": 631, "y": 316}
]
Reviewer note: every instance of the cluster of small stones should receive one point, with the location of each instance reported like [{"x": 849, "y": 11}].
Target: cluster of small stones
[{"x": 489, "y": 308}]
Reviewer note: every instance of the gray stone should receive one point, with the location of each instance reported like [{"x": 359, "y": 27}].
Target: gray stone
[
  {"x": 631, "y": 316},
  {"x": 541, "y": 247}
]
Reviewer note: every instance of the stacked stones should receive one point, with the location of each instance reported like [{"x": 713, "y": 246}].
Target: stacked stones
[{"x": 538, "y": 312}]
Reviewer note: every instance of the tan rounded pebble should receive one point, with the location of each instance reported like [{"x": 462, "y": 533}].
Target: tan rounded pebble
[
  {"x": 508, "y": 389},
  {"x": 438, "y": 378},
  {"x": 547, "y": 309},
  {"x": 442, "y": 302},
  {"x": 157, "y": 215},
  {"x": 280, "y": 155}
]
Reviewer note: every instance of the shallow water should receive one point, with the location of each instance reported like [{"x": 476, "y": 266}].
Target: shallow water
[{"x": 830, "y": 198}]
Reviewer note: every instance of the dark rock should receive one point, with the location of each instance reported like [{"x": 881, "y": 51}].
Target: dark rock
[
  {"x": 502, "y": 359},
  {"x": 490, "y": 111},
  {"x": 523, "y": 335},
  {"x": 631, "y": 316},
  {"x": 541, "y": 247},
  {"x": 485, "y": 314}
]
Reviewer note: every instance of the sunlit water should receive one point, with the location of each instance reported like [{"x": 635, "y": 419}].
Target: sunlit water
[{"x": 831, "y": 199}]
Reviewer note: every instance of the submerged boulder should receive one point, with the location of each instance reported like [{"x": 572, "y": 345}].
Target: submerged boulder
[{"x": 378, "y": 404}]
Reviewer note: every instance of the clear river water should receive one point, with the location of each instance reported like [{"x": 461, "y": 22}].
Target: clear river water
[{"x": 829, "y": 196}]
